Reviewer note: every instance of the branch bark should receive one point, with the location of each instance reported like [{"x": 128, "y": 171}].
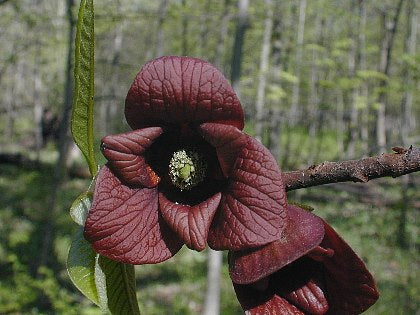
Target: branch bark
[{"x": 402, "y": 162}]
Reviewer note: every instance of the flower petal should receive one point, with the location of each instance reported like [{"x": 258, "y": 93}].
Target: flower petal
[
  {"x": 351, "y": 288},
  {"x": 301, "y": 283},
  {"x": 124, "y": 153},
  {"x": 304, "y": 232},
  {"x": 177, "y": 90},
  {"x": 228, "y": 142},
  {"x": 191, "y": 224},
  {"x": 257, "y": 302},
  {"x": 310, "y": 298},
  {"x": 124, "y": 223},
  {"x": 253, "y": 207}
]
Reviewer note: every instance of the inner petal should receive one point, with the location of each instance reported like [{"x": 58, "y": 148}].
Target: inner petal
[{"x": 191, "y": 224}]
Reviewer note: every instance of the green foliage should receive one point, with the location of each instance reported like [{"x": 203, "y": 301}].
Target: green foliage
[
  {"x": 80, "y": 208},
  {"x": 82, "y": 114},
  {"x": 116, "y": 286},
  {"x": 81, "y": 267}
]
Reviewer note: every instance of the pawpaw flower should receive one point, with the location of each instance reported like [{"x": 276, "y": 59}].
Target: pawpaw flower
[
  {"x": 329, "y": 278},
  {"x": 186, "y": 173}
]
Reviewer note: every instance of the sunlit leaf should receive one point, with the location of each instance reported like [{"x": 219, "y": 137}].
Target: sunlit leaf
[
  {"x": 81, "y": 267},
  {"x": 82, "y": 113},
  {"x": 116, "y": 286},
  {"x": 80, "y": 208}
]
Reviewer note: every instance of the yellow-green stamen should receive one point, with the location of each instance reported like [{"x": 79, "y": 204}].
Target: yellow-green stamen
[{"x": 187, "y": 169}]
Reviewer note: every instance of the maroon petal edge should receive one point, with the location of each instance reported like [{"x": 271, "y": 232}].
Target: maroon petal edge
[
  {"x": 124, "y": 153},
  {"x": 252, "y": 211},
  {"x": 177, "y": 90},
  {"x": 350, "y": 286},
  {"x": 124, "y": 223},
  {"x": 191, "y": 224},
  {"x": 304, "y": 232}
]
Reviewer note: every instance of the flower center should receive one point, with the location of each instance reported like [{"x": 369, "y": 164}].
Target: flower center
[{"x": 187, "y": 169}]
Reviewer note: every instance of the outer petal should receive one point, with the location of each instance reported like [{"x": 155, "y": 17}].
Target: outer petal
[
  {"x": 253, "y": 206},
  {"x": 124, "y": 224},
  {"x": 351, "y": 288},
  {"x": 124, "y": 153},
  {"x": 191, "y": 224},
  {"x": 304, "y": 232},
  {"x": 177, "y": 90},
  {"x": 256, "y": 302}
]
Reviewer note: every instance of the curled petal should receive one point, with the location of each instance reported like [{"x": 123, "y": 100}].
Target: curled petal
[
  {"x": 304, "y": 232},
  {"x": 309, "y": 297},
  {"x": 253, "y": 206},
  {"x": 178, "y": 90},
  {"x": 190, "y": 223},
  {"x": 124, "y": 223},
  {"x": 351, "y": 288},
  {"x": 124, "y": 153},
  {"x": 256, "y": 302},
  {"x": 228, "y": 142}
]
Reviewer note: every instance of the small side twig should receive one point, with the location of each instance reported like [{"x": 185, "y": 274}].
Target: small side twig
[{"x": 401, "y": 162}]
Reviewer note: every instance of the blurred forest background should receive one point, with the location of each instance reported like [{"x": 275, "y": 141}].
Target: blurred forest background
[{"x": 319, "y": 80}]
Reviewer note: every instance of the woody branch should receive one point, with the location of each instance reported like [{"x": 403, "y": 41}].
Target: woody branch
[{"x": 401, "y": 162}]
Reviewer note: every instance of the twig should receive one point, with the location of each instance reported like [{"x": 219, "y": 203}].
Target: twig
[{"x": 402, "y": 162}]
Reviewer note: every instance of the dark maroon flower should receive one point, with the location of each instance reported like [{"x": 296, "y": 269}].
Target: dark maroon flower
[
  {"x": 186, "y": 174},
  {"x": 328, "y": 279}
]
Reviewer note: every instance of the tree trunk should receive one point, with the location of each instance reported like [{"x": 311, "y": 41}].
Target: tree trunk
[
  {"x": 163, "y": 9},
  {"x": 241, "y": 26},
  {"x": 204, "y": 31},
  {"x": 407, "y": 121},
  {"x": 184, "y": 28},
  {"x": 212, "y": 299},
  {"x": 390, "y": 29},
  {"x": 364, "y": 91},
  {"x": 63, "y": 145},
  {"x": 262, "y": 76},
  {"x": 294, "y": 110},
  {"x": 354, "y": 65},
  {"x": 274, "y": 139},
  {"x": 224, "y": 23}
]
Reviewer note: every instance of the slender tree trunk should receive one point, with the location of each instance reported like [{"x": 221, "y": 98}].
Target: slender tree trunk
[
  {"x": 63, "y": 145},
  {"x": 224, "y": 23},
  {"x": 274, "y": 140},
  {"x": 204, "y": 31},
  {"x": 390, "y": 29},
  {"x": 184, "y": 39},
  {"x": 262, "y": 76},
  {"x": 407, "y": 121},
  {"x": 163, "y": 9},
  {"x": 314, "y": 98},
  {"x": 340, "y": 122},
  {"x": 364, "y": 91},
  {"x": 294, "y": 110},
  {"x": 38, "y": 108},
  {"x": 354, "y": 65},
  {"x": 241, "y": 26},
  {"x": 212, "y": 299}
]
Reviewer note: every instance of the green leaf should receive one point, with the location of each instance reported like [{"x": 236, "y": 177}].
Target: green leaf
[
  {"x": 82, "y": 113},
  {"x": 107, "y": 283},
  {"x": 81, "y": 267},
  {"x": 80, "y": 208},
  {"x": 116, "y": 286}
]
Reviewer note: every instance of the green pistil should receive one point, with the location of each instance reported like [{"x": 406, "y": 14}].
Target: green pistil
[{"x": 187, "y": 169}]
